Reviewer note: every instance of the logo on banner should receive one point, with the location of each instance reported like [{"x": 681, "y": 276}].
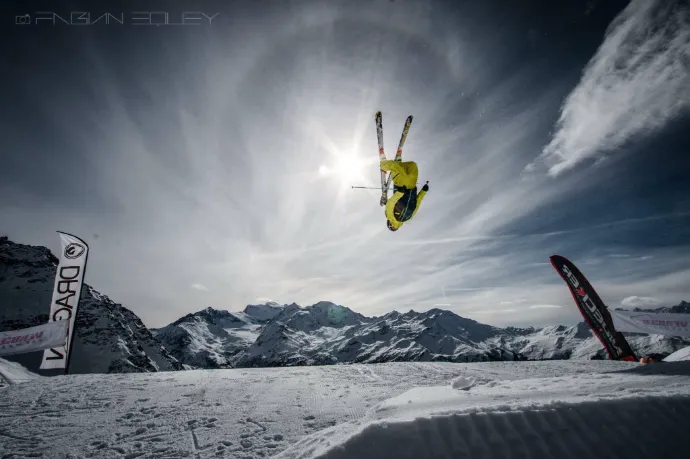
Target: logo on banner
[
  {"x": 74, "y": 250},
  {"x": 651, "y": 320},
  {"x": 66, "y": 293},
  {"x": 14, "y": 341},
  {"x": 592, "y": 308}
]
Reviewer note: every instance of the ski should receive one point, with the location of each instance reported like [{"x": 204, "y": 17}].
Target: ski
[
  {"x": 398, "y": 157},
  {"x": 382, "y": 156}
]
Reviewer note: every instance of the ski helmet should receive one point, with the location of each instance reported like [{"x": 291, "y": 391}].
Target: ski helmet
[{"x": 393, "y": 226}]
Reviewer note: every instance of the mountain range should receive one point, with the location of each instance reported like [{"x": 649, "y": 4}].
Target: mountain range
[
  {"x": 327, "y": 333},
  {"x": 111, "y": 338}
]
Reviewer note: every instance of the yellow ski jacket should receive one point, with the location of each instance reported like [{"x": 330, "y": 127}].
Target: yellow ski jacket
[{"x": 403, "y": 205}]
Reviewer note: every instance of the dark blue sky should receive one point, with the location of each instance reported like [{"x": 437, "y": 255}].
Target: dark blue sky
[{"x": 211, "y": 164}]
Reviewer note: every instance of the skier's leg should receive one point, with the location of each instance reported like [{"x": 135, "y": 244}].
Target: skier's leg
[
  {"x": 396, "y": 167},
  {"x": 405, "y": 173},
  {"x": 408, "y": 176},
  {"x": 412, "y": 173},
  {"x": 398, "y": 172}
]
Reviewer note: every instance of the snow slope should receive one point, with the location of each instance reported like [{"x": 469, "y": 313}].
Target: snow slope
[
  {"x": 392, "y": 410},
  {"x": 565, "y": 417},
  {"x": 680, "y": 355},
  {"x": 110, "y": 338},
  {"x": 13, "y": 373}
]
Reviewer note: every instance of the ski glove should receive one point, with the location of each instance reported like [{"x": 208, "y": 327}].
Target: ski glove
[{"x": 425, "y": 187}]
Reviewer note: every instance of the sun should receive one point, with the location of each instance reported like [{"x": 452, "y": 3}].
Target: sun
[{"x": 349, "y": 168}]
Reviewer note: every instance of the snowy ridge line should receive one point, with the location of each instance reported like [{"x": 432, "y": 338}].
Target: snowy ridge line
[
  {"x": 564, "y": 430},
  {"x": 571, "y": 416}
]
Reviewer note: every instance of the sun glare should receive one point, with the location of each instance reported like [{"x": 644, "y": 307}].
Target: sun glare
[{"x": 349, "y": 168}]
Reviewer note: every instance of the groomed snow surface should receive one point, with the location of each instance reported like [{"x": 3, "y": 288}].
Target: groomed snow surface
[
  {"x": 14, "y": 373},
  {"x": 551, "y": 409},
  {"x": 679, "y": 355}
]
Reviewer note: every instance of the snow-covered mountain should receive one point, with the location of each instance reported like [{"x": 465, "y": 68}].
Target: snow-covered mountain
[
  {"x": 262, "y": 313},
  {"x": 214, "y": 339},
  {"x": 556, "y": 342},
  {"x": 682, "y": 308},
  {"x": 109, "y": 337},
  {"x": 579, "y": 343},
  {"x": 327, "y": 333}
]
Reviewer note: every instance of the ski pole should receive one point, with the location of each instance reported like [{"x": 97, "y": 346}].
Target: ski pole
[{"x": 371, "y": 187}]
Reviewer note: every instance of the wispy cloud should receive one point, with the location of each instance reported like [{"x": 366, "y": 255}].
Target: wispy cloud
[
  {"x": 235, "y": 169},
  {"x": 545, "y": 306},
  {"x": 636, "y": 82},
  {"x": 640, "y": 302},
  {"x": 518, "y": 301},
  {"x": 493, "y": 311}
]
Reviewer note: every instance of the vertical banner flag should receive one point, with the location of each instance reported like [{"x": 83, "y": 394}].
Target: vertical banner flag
[
  {"x": 593, "y": 310},
  {"x": 66, "y": 292}
]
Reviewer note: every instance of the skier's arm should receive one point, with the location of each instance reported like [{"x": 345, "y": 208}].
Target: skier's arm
[{"x": 390, "y": 206}]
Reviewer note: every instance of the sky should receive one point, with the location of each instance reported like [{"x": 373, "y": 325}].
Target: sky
[{"x": 207, "y": 154}]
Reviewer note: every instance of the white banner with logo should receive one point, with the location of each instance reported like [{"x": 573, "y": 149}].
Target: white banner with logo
[
  {"x": 653, "y": 323},
  {"x": 66, "y": 292},
  {"x": 33, "y": 339}
]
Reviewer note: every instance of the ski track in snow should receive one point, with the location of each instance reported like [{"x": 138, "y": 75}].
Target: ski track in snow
[{"x": 301, "y": 412}]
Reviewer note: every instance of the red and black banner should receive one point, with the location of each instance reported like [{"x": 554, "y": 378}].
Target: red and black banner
[{"x": 593, "y": 310}]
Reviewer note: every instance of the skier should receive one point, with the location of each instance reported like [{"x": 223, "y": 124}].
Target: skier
[{"x": 405, "y": 202}]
